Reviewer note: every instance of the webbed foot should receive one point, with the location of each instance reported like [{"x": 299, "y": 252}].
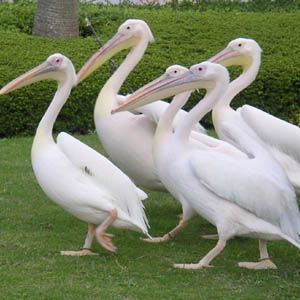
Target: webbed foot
[
  {"x": 83, "y": 252},
  {"x": 260, "y": 265}
]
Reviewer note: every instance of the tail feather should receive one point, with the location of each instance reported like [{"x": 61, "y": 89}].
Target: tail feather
[
  {"x": 290, "y": 218},
  {"x": 291, "y": 240},
  {"x": 136, "y": 211}
]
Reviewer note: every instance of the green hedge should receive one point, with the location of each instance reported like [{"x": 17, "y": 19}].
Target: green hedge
[{"x": 182, "y": 37}]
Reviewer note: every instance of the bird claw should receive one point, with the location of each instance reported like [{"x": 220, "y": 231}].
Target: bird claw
[
  {"x": 192, "y": 266},
  {"x": 83, "y": 252},
  {"x": 105, "y": 240}
]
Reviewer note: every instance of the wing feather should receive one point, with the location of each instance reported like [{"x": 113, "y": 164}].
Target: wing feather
[
  {"x": 273, "y": 131},
  {"x": 237, "y": 181},
  {"x": 107, "y": 176}
]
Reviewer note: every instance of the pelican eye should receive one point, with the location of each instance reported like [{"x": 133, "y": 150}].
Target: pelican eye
[
  {"x": 128, "y": 27},
  {"x": 175, "y": 71},
  {"x": 200, "y": 69},
  {"x": 57, "y": 60},
  {"x": 240, "y": 44}
]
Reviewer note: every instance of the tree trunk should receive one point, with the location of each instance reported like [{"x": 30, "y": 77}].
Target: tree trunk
[{"x": 56, "y": 18}]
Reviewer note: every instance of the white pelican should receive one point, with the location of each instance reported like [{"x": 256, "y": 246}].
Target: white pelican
[
  {"x": 73, "y": 175},
  {"x": 281, "y": 138},
  {"x": 234, "y": 192},
  {"x": 126, "y": 130}
]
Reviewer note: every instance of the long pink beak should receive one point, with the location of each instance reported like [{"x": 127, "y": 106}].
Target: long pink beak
[
  {"x": 27, "y": 78},
  {"x": 99, "y": 58},
  {"x": 162, "y": 87}
]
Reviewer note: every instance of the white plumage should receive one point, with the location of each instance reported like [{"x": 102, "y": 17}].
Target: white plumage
[
  {"x": 233, "y": 190},
  {"x": 125, "y": 131},
  {"x": 279, "y": 137},
  {"x": 75, "y": 176}
]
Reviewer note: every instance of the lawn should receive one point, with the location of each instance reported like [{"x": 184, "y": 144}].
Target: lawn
[{"x": 34, "y": 230}]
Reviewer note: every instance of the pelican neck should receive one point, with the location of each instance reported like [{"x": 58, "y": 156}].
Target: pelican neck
[
  {"x": 45, "y": 127},
  {"x": 195, "y": 115},
  {"x": 248, "y": 75},
  {"x": 164, "y": 130},
  {"x": 107, "y": 96}
]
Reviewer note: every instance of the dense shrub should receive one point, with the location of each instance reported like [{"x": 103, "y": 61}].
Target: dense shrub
[
  {"x": 238, "y": 5},
  {"x": 17, "y": 17},
  {"x": 182, "y": 37}
]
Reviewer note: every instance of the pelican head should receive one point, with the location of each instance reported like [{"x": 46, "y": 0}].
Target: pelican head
[
  {"x": 129, "y": 34},
  {"x": 56, "y": 67},
  {"x": 239, "y": 52},
  {"x": 177, "y": 79}
]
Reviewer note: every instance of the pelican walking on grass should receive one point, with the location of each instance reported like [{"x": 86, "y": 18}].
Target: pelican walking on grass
[
  {"x": 233, "y": 190},
  {"x": 75, "y": 176}
]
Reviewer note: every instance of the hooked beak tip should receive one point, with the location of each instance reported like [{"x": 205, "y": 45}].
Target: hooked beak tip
[{"x": 3, "y": 91}]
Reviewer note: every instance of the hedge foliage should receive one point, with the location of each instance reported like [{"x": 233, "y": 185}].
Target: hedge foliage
[{"x": 182, "y": 36}]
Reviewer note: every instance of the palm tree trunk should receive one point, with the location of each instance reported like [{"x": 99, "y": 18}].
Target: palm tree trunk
[{"x": 56, "y": 18}]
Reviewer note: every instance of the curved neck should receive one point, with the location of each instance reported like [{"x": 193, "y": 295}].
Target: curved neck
[
  {"x": 107, "y": 97},
  {"x": 46, "y": 124},
  {"x": 164, "y": 126},
  {"x": 185, "y": 127},
  {"x": 248, "y": 75}
]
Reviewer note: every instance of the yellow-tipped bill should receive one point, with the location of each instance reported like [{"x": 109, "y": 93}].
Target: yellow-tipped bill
[{"x": 39, "y": 73}]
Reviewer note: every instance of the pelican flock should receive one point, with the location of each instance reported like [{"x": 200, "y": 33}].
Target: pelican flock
[
  {"x": 192, "y": 173},
  {"x": 245, "y": 183}
]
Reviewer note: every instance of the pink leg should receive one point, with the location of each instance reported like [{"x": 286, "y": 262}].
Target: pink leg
[
  {"x": 170, "y": 235},
  {"x": 205, "y": 261},
  {"x": 86, "y": 250},
  {"x": 105, "y": 239},
  {"x": 264, "y": 263}
]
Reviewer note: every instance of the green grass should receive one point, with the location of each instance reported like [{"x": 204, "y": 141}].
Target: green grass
[{"x": 33, "y": 230}]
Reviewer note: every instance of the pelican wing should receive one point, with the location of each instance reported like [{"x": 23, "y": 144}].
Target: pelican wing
[
  {"x": 202, "y": 141},
  {"x": 237, "y": 133},
  {"x": 105, "y": 175},
  {"x": 273, "y": 131},
  {"x": 249, "y": 187}
]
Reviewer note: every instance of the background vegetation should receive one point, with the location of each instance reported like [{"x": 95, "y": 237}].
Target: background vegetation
[{"x": 185, "y": 35}]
